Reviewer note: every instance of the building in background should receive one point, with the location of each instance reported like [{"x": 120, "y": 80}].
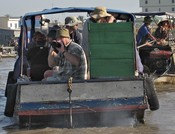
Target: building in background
[
  {"x": 9, "y": 29},
  {"x": 157, "y": 5}
]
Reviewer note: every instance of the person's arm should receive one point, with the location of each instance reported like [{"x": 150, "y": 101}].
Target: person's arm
[
  {"x": 53, "y": 58},
  {"x": 151, "y": 36},
  {"x": 85, "y": 38},
  {"x": 71, "y": 58}
]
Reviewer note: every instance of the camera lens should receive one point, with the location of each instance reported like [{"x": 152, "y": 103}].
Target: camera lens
[
  {"x": 55, "y": 44},
  {"x": 58, "y": 44}
]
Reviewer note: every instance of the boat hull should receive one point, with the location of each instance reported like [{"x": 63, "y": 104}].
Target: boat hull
[{"x": 90, "y": 99}]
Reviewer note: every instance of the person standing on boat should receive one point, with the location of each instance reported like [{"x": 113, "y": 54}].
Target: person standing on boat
[
  {"x": 72, "y": 24},
  {"x": 99, "y": 15},
  {"x": 144, "y": 34},
  {"x": 70, "y": 58}
]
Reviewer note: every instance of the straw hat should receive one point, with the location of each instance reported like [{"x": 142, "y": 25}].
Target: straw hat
[
  {"x": 63, "y": 32},
  {"x": 99, "y": 12},
  {"x": 163, "y": 22},
  {"x": 72, "y": 21}
]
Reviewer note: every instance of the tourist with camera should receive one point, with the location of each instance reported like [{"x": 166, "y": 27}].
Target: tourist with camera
[{"x": 69, "y": 56}]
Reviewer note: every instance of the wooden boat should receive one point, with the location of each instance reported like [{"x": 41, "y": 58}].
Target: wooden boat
[
  {"x": 7, "y": 52},
  {"x": 113, "y": 92},
  {"x": 160, "y": 60}
]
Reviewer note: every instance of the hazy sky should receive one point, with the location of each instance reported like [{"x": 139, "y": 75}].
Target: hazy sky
[{"x": 20, "y": 7}]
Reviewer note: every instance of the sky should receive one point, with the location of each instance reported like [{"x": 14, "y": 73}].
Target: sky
[{"x": 20, "y": 7}]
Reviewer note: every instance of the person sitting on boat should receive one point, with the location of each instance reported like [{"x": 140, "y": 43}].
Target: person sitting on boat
[
  {"x": 37, "y": 57},
  {"x": 161, "y": 32},
  {"x": 71, "y": 24},
  {"x": 36, "y": 40},
  {"x": 144, "y": 34},
  {"x": 70, "y": 58}
]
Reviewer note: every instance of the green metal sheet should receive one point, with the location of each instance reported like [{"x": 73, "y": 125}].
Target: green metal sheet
[
  {"x": 109, "y": 68},
  {"x": 111, "y": 50}
]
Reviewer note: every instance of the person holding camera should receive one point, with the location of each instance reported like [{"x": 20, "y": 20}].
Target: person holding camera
[{"x": 69, "y": 56}]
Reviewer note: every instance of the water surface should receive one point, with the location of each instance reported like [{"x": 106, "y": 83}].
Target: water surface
[{"x": 156, "y": 122}]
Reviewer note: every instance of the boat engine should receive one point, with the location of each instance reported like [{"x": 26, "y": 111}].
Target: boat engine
[{"x": 158, "y": 60}]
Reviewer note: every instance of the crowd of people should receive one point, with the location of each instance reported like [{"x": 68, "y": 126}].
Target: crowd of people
[{"x": 64, "y": 51}]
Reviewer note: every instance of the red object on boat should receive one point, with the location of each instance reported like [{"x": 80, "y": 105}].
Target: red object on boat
[{"x": 160, "y": 53}]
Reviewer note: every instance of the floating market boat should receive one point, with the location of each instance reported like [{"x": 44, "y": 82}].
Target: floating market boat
[
  {"x": 160, "y": 59},
  {"x": 114, "y": 91}
]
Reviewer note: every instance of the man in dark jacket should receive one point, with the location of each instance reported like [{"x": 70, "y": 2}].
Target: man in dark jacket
[{"x": 71, "y": 24}]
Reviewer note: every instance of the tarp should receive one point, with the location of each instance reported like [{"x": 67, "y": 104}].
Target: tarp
[{"x": 154, "y": 14}]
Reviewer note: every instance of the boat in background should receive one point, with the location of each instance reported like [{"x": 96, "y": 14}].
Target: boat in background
[
  {"x": 8, "y": 52},
  {"x": 160, "y": 60},
  {"x": 114, "y": 92}
]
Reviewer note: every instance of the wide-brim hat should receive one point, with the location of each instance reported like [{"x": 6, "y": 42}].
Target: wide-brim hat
[
  {"x": 161, "y": 22},
  {"x": 99, "y": 12},
  {"x": 72, "y": 21},
  {"x": 147, "y": 19},
  {"x": 63, "y": 32}
]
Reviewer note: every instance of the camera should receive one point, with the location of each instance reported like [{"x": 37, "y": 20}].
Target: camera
[{"x": 55, "y": 45}]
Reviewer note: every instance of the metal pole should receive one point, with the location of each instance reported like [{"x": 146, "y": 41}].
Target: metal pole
[{"x": 69, "y": 90}]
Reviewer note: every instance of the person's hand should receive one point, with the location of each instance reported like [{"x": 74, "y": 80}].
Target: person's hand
[
  {"x": 52, "y": 52},
  {"x": 148, "y": 44}
]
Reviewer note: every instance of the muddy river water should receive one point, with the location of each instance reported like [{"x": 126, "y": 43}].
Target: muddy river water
[{"x": 161, "y": 121}]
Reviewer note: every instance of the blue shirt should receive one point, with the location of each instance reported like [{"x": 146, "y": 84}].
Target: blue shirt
[{"x": 143, "y": 31}]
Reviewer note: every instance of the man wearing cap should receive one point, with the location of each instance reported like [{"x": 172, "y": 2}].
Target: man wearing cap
[
  {"x": 71, "y": 24},
  {"x": 71, "y": 59},
  {"x": 144, "y": 33}
]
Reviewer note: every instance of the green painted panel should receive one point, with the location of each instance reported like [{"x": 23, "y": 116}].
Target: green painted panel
[
  {"x": 111, "y": 68},
  {"x": 111, "y": 50},
  {"x": 119, "y": 27},
  {"x": 115, "y": 37}
]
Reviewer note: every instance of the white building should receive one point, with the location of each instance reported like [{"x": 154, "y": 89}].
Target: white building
[
  {"x": 157, "y": 5},
  {"x": 7, "y": 22},
  {"x": 13, "y": 23},
  {"x": 9, "y": 28}
]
